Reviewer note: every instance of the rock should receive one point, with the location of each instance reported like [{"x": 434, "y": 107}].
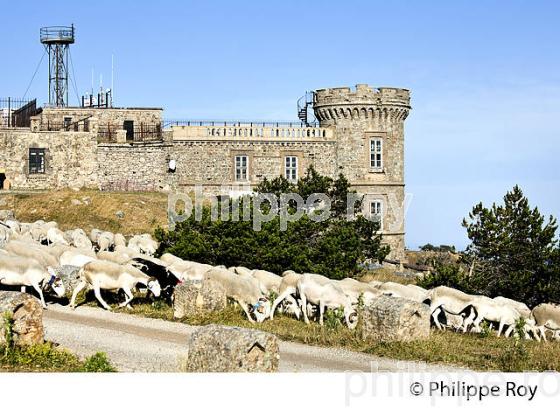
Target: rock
[
  {"x": 69, "y": 276},
  {"x": 86, "y": 200},
  {"x": 217, "y": 348},
  {"x": 76, "y": 202},
  {"x": 391, "y": 319},
  {"x": 195, "y": 297},
  {"x": 27, "y": 315},
  {"x": 119, "y": 214},
  {"x": 6, "y": 214}
]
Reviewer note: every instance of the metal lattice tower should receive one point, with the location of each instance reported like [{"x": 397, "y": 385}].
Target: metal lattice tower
[{"x": 57, "y": 40}]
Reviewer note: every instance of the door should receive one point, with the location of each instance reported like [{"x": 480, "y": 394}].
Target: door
[{"x": 129, "y": 127}]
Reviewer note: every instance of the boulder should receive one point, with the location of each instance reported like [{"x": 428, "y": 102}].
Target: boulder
[
  {"x": 391, "y": 319},
  {"x": 27, "y": 315},
  {"x": 195, "y": 297},
  {"x": 119, "y": 214},
  {"x": 69, "y": 276},
  {"x": 217, "y": 348}
]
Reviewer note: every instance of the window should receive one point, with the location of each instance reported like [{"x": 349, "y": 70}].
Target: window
[
  {"x": 36, "y": 160},
  {"x": 241, "y": 167},
  {"x": 291, "y": 168},
  {"x": 376, "y": 212},
  {"x": 67, "y": 122},
  {"x": 376, "y": 153}
]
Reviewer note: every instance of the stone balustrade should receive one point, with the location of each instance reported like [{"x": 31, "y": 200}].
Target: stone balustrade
[{"x": 191, "y": 132}]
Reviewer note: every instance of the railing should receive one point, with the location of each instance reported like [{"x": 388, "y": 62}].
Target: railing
[
  {"x": 78, "y": 125},
  {"x": 55, "y": 34},
  {"x": 139, "y": 133},
  {"x": 16, "y": 112},
  {"x": 255, "y": 131},
  {"x": 238, "y": 123}
]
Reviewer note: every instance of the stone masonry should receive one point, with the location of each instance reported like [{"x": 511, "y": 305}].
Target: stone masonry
[{"x": 350, "y": 122}]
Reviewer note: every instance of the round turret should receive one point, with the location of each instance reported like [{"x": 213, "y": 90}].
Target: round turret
[{"x": 332, "y": 105}]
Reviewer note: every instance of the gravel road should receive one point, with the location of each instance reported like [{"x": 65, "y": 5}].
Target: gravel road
[{"x": 138, "y": 344}]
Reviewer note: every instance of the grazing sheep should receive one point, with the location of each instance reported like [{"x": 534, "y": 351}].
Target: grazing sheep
[
  {"x": 287, "y": 290},
  {"x": 326, "y": 294},
  {"x": 244, "y": 291},
  {"x": 143, "y": 244},
  {"x": 56, "y": 236},
  {"x": 450, "y": 301},
  {"x": 76, "y": 257},
  {"x": 94, "y": 235},
  {"x": 493, "y": 311},
  {"x": 105, "y": 241},
  {"x": 120, "y": 240},
  {"x": 524, "y": 312},
  {"x": 416, "y": 294},
  {"x": 185, "y": 270},
  {"x": 21, "y": 271},
  {"x": 107, "y": 275},
  {"x": 547, "y": 316},
  {"x": 32, "y": 251},
  {"x": 355, "y": 289},
  {"x": 242, "y": 271}
]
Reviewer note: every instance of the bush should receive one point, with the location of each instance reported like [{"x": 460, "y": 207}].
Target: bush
[
  {"x": 335, "y": 247},
  {"x": 98, "y": 363}
]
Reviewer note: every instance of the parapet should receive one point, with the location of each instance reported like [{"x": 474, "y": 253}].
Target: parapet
[
  {"x": 363, "y": 93},
  {"x": 366, "y": 101}
]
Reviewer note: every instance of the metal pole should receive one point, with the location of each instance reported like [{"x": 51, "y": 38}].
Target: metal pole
[{"x": 9, "y": 112}]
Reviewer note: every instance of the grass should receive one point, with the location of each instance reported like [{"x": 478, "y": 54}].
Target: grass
[
  {"x": 473, "y": 351},
  {"x": 47, "y": 357},
  {"x": 385, "y": 274},
  {"x": 143, "y": 211}
]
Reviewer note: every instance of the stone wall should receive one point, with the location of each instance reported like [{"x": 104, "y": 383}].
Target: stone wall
[
  {"x": 134, "y": 167},
  {"x": 104, "y": 116},
  {"x": 70, "y": 159}
]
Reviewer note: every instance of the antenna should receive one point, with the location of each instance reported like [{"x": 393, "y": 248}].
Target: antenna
[
  {"x": 112, "y": 78},
  {"x": 57, "y": 40}
]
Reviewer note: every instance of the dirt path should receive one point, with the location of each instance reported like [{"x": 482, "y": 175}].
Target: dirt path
[{"x": 138, "y": 344}]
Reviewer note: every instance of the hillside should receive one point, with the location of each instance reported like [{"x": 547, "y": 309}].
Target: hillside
[{"x": 143, "y": 211}]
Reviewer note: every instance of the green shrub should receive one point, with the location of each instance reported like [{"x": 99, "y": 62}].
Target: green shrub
[
  {"x": 98, "y": 363},
  {"x": 335, "y": 247}
]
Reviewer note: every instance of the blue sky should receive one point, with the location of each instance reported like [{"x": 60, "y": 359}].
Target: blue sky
[{"x": 484, "y": 76}]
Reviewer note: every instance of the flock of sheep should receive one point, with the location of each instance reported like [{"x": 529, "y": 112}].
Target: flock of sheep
[{"x": 107, "y": 261}]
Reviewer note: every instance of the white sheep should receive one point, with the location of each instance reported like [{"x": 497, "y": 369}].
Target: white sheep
[
  {"x": 21, "y": 271},
  {"x": 416, "y": 293},
  {"x": 105, "y": 241},
  {"x": 244, "y": 291},
  {"x": 355, "y": 290},
  {"x": 326, "y": 294},
  {"x": 120, "y": 240},
  {"x": 547, "y": 316},
  {"x": 287, "y": 290},
  {"x": 76, "y": 257},
  {"x": 107, "y": 275},
  {"x": 56, "y": 236}
]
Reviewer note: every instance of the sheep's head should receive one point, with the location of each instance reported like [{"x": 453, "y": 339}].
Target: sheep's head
[
  {"x": 261, "y": 309},
  {"x": 154, "y": 287},
  {"x": 55, "y": 283}
]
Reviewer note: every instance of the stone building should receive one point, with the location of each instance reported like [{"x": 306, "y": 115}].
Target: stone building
[{"x": 360, "y": 133}]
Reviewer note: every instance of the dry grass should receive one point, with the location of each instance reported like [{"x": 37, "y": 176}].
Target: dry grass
[
  {"x": 484, "y": 353},
  {"x": 143, "y": 211},
  {"x": 385, "y": 274}
]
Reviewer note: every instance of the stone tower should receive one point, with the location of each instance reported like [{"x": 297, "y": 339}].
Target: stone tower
[{"x": 369, "y": 127}]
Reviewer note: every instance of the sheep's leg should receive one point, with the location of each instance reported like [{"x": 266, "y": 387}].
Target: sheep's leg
[
  {"x": 303, "y": 302},
  {"x": 500, "y": 328},
  {"x": 77, "y": 290},
  {"x": 508, "y": 331},
  {"x": 435, "y": 314},
  {"x": 470, "y": 319},
  {"x": 23, "y": 289},
  {"x": 291, "y": 299},
  {"x": 277, "y": 301},
  {"x": 321, "y": 310},
  {"x": 128, "y": 298},
  {"x": 40, "y": 292},
  {"x": 97, "y": 292},
  {"x": 245, "y": 308}
]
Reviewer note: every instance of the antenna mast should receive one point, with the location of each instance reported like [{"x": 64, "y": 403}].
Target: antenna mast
[{"x": 57, "y": 40}]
